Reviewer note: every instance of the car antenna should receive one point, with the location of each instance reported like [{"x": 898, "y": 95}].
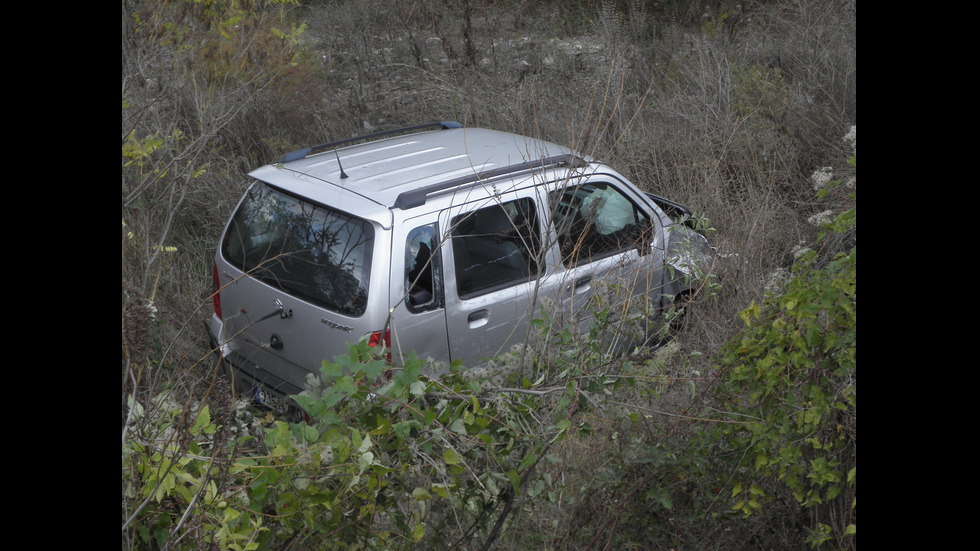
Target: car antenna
[{"x": 343, "y": 174}]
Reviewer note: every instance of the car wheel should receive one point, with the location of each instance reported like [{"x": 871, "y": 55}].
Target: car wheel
[{"x": 673, "y": 319}]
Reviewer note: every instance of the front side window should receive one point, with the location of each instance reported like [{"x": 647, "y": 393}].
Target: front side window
[
  {"x": 423, "y": 270},
  {"x": 596, "y": 220},
  {"x": 312, "y": 252},
  {"x": 495, "y": 247}
]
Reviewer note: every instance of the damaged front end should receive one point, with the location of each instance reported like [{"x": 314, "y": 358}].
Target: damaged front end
[{"x": 690, "y": 258}]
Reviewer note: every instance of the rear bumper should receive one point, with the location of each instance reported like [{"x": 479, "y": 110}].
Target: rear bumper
[{"x": 246, "y": 376}]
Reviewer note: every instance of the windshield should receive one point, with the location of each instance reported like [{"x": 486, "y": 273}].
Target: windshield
[{"x": 310, "y": 251}]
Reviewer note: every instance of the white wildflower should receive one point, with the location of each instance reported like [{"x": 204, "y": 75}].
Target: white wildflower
[
  {"x": 821, "y": 218},
  {"x": 799, "y": 251},
  {"x": 777, "y": 280},
  {"x": 667, "y": 351},
  {"x": 852, "y": 138},
  {"x": 238, "y": 494},
  {"x": 821, "y": 177}
]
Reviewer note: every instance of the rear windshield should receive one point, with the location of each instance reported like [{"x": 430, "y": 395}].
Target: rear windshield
[{"x": 309, "y": 251}]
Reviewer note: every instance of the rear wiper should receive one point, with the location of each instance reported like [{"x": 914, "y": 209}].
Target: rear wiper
[{"x": 282, "y": 312}]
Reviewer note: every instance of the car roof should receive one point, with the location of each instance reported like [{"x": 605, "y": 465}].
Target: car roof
[{"x": 399, "y": 171}]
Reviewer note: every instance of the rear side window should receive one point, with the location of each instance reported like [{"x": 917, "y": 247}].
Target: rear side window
[
  {"x": 309, "y": 251},
  {"x": 423, "y": 269},
  {"x": 495, "y": 247}
]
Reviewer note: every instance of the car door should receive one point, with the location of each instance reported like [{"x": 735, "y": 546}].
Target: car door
[
  {"x": 417, "y": 292},
  {"x": 493, "y": 266},
  {"x": 610, "y": 263}
]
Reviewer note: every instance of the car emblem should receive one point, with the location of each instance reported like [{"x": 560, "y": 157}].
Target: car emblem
[{"x": 283, "y": 313}]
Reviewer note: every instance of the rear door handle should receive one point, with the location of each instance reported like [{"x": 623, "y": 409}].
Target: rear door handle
[{"x": 478, "y": 318}]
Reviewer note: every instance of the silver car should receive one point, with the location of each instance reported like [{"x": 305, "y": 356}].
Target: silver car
[{"x": 437, "y": 239}]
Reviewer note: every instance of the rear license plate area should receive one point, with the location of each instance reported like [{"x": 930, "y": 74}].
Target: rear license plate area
[{"x": 264, "y": 397}]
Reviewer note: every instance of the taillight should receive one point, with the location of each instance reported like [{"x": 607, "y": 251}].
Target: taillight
[
  {"x": 216, "y": 297},
  {"x": 379, "y": 337}
]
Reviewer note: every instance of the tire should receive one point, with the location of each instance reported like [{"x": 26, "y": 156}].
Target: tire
[{"x": 676, "y": 309}]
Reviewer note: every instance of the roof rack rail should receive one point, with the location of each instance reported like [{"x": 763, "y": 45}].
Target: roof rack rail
[
  {"x": 416, "y": 197},
  {"x": 302, "y": 153}
]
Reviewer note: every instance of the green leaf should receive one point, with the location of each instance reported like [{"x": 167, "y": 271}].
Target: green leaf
[
  {"x": 750, "y": 312},
  {"x": 203, "y": 422},
  {"x": 515, "y": 481},
  {"x": 364, "y": 444},
  {"x": 343, "y": 388},
  {"x": 527, "y": 461},
  {"x": 365, "y": 460},
  {"x": 329, "y": 370},
  {"x": 458, "y": 426},
  {"x": 449, "y": 456},
  {"x": 324, "y": 498},
  {"x": 310, "y": 433},
  {"x": 230, "y": 514}
]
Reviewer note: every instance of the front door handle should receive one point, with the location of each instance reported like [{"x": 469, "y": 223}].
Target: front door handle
[{"x": 580, "y": 285}]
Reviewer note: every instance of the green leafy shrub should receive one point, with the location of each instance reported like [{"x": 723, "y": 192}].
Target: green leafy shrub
[
  {"x": 379, "y": 464},
  {"x": 792, "y": 374}
]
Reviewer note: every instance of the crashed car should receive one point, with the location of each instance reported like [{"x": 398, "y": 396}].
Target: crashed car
[{"x": 436, "y": 239}]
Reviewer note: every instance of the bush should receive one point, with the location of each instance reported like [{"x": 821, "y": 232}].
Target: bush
[
  {"x": 757, "y": 449},
  {"x": 378, "y": 464},
  {"x": 791, "y": 388}
]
